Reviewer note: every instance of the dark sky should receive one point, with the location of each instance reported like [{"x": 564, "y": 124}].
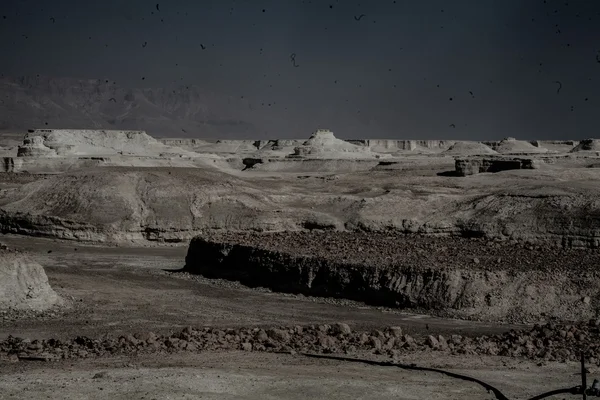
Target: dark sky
[{"x": 376, "y": 77}]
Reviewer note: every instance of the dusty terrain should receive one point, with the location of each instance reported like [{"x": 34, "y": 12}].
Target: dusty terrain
[
  {"x": 239, "y": 375},
  {"x": 552, "y": 204},
  {"x": 118, "y": 292},
  {"x": 211, "y": 271}
]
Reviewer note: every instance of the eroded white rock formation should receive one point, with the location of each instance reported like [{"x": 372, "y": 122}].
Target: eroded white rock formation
[
  {"x": 468, "y": 148},
  {"x": 323, "y": 144},
  {"x": 83, "y": 142},
  {"x": 587, "y": 145},
  {"x": 476, "y": 165},
  {"x": 513, "y": 146},
  {"x": 23, "y": 283}
]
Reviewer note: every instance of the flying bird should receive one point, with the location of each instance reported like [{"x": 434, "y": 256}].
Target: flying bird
[
  {"x": 112, "y": 99},
  {"x": 202, "y": 46},
  {"x": 559, "y": 86},
  {"x": 293, "y": 59},
  {"x": 145, "y": 44},
  {"x": 452, "y": 126},
  {"x": 359, "y": 17},
  {"x": 157, "y": 7},
  {"x": 53, "y": 20}
]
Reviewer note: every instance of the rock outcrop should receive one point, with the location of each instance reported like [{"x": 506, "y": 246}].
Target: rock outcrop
[
  {"x": 476, "y": 165},
  {"x": 587, "y": 145},
  {"x": 323, "y": 143},
  {"x": 513, "y": 146},
  {"x": 23, "y": 283},
  {"x": 456, "y": 276},
  {"x": 78, "y": 142},
  {"x": 412, "y": 146},
  {"x": 468, "y": 149},
  {"x": 35, "y": 147},
  {"x": 184, "y": 142}
]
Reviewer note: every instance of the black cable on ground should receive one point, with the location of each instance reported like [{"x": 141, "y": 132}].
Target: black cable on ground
[
  {"x": 499, "y": 395},
  {"x": 574, "y": 390},
  {"x": 488, "y": 387}
]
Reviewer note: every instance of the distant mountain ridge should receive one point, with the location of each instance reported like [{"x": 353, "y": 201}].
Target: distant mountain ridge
[{"x": 185, "y": 111}]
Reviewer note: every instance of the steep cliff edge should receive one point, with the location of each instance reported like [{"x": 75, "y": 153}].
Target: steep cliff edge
[{"x": 466, "y": 278}]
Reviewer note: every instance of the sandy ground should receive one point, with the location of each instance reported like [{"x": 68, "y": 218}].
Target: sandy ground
[{"x": 238, "y": 375}]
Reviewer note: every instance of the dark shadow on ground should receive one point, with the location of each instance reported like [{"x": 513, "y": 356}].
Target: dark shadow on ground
[{"x": 448, "y": 173}]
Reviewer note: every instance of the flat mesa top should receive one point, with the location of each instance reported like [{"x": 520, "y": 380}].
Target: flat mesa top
[
  {"x": 397, "y": 250},
  {"x": 47, "y": 130}
]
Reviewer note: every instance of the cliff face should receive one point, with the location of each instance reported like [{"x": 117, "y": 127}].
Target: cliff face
[
  {"x": 74, "y": 142},
  {"x": 385, "y": 145},
  {"x": 476, "y": 165},
  {"x": 439, "y": 275}
]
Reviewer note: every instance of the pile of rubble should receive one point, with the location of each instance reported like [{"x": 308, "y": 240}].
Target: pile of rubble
[{"x": 549, "y": 342}]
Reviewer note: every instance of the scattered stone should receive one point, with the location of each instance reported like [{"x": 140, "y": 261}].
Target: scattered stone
[
  {"x": 396, "y": 331},
  {"x": 262, "y": 336},
  {"x": 341, "y": 329},
  {"x": 246, "y": 346},
  {"x": 442, "y": 343},
  {"x": 376, "y": 343},
  {"x": 278, "y": 334},
  {"x": 432, "y": 342},
  {"x": 100, "y": 375}
]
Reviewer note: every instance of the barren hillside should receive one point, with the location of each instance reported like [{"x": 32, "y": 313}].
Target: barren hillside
[{"x": 174, "y": 204}]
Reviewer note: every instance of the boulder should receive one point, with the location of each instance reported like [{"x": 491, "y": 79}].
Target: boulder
[{"x": 23, "y": 283}]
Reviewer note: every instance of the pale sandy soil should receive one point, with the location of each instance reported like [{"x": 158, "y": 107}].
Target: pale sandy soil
[{"x": 237, "y": 375}]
